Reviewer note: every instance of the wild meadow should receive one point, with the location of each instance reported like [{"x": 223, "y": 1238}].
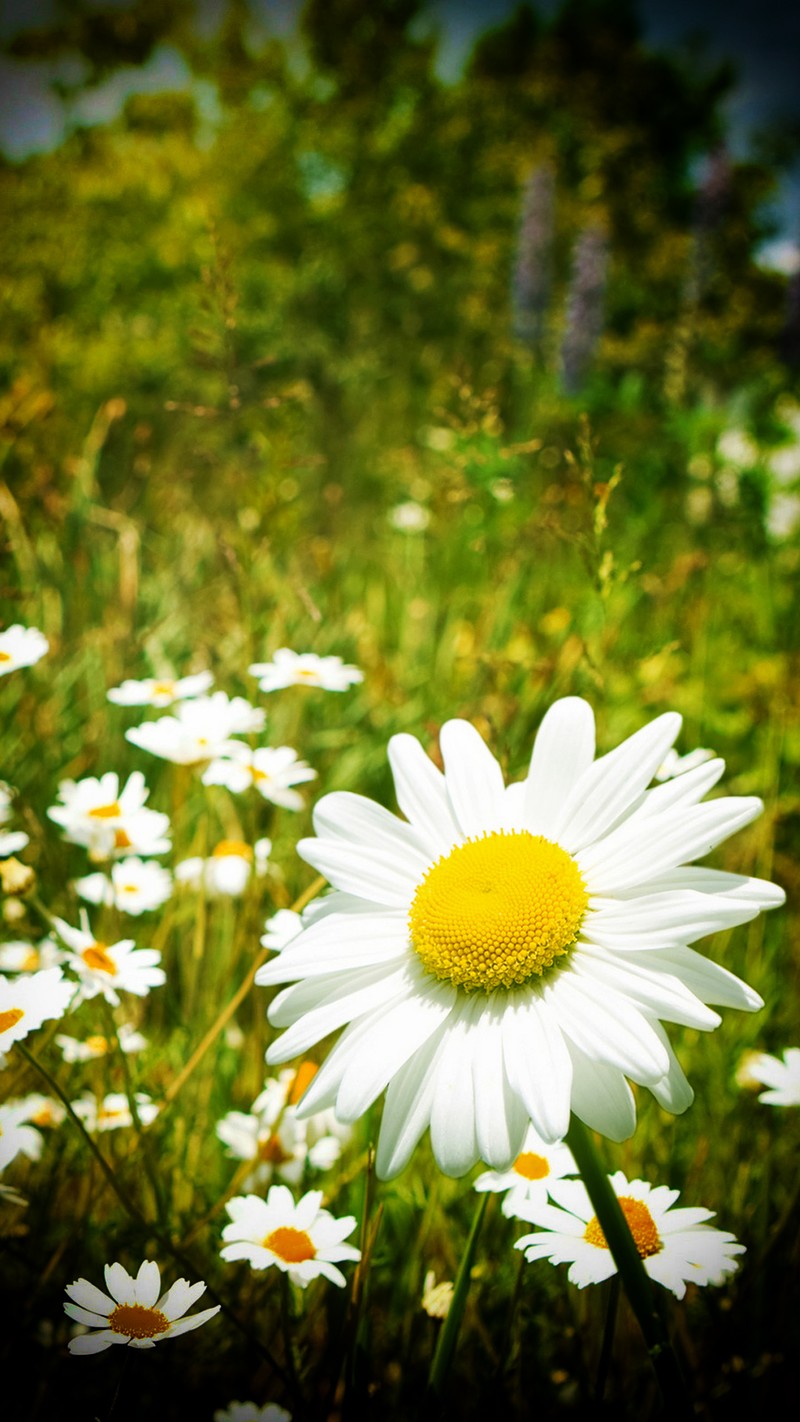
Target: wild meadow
[{"x": 478, "y": 388}]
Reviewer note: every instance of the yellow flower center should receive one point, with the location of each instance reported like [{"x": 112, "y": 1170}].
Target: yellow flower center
[
  {"x": 10, "y": 1018},
  {"x": 293, "y": 1246},
  {"x": 163, "y": 688},
  {"x": 272, "y": 1152},
  {"x": 497, "y": 910},
  {"x": 121, "y": 840},
  {"x": 303, "y": 1078},
  {"x": 111, "y": 811},
  {"x": 97, "y": 957},
  {"x": 97, "y": 1044},
  {"x": 233, "y": 848},
  {"x": 136, "y": 1321},
  {"x": 307, "y": 674},
  {"x": 4, "y": 657},
  {"x": 531, "y": 1166},
  {"x": 31, "y": 961},
  {"x": 640, "y": 1223}
]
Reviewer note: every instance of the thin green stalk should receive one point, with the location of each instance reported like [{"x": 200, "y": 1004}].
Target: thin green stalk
[
  {"x": 636, "y": 1283},
  {"x": 144, "y": 1142},
  {"x": 448, "y": 1336},
  {"x": 608, "y": 1339}
]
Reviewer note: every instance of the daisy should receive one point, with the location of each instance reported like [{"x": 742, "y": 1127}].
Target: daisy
[
  {"x": 23, "y": 957},
  {"x": 21, "y": 647},
  {"x": 677, "y": 1247},
  {"x": 304, "y": 669},
  {"x": 250, "y": 1412},
  {"x": 530, "y": 1178},
  {"x": 301, "y": 1239},
  {"x": 271, "y": 1136},
  {"x": 73, "y": 1050},
  {"x": 131, "y": 1311},
  {"x": 17, "y": 1136},
  {"x": 505, "y": 955},
  {"x": 108, "y": 821},
  {"x": 135, "y": 886},
  {"x": 782, "y": 1077},
  {"x": 109, "y": 968},
  {"x": 113, "y": 1112},
  {"x": 437, "y": 1298},
  {"x": 228, "y": 870},
  {"x": 281, "y": 928},
  {"x": 199, "y": 731},
  {"x": 46, "y": 1112},
  {"x": 26, "y": 1002},
  {"x": 273, "y": 770},
  {"x": 154, "y": 692}
]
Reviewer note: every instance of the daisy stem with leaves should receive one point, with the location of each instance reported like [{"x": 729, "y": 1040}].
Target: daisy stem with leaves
[
  {"x": 631, "y": 1270},
  {"x": 448, "y": 1336}
]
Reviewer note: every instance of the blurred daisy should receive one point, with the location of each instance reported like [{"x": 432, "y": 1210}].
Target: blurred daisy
[
  {"x": 782, "y": 1077},
  {"x": 17, "y": 1135},
  {"x": 45, "y": 1112},
  {"x": 113, "y": 1112},
  {"x": 11, "y": 842},
  {"x": 26, "y": 1002},
  {"x": 273, "y": 770},
  {"x": 304, "y": 669},
  {"x": 135, "y": 886},
  {"x": 132, "y": 1312},
  {"x": 199, "y": 731},
  {"x": 504, "y": 955},
  {"x": 529, "y": 1180},
  {"x": 108, "y": 821},
  {"x": 250, "y": 1412},
  {"x": 90, "y": 1050},
  {"x": 228, "y": 870},
  {"x": 674, "y": 764},
  {"x": 109, "y": 968},
  {"x": 302, "y": 1239},
  {"x": 677, "y": 1247},
  {"x": 21, "y": 647},
  {"x": 281, "y": 928},
  {"x": 409, "y": 517},
  {"x": 152, "y": 692},
  {"x": 23, "y": 957},
  {"x": 271, "y": 1136},
  {"x": 436, "y": 1298}
]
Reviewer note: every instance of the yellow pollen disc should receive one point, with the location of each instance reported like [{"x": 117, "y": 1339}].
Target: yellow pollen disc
[
  {"x": 303, "y": 1078},
  {"x": 293, "y": 1246},
  {"x": 121, "y": 840},
  {"x": 163, "y": 688},
  {"x": 97, "y": 1044},
  {"x": 31, "y": 962},
  {"x": 307, "y": 674},
  {"x": 111, "y": 811},
  {"x": 136, "y": 1321},
  {"x": 4, "y": 657},
  {"x": 640, "y": 1223},
  {"x": 259, "y": 775},
  {"x": 531, "y": 1166},
  {"x": 10, "y": 1018},
  {"x": 233, "y": 848},
  {"x": 497, "y": 911},
  {"x": 98, "y": 957},
  {"x": 272, "y": 1151}
]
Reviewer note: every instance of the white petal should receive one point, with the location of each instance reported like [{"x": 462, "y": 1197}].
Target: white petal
[
  {"x": 422, "y": 795},
  {"x": 601, "y": 1097},
  {"x": 148, "y": 1284},
  {"x": 84, "y": 1315},
  {"x": 179, "y": 1298},
  {"x": 678, "y": 917},
  {"x": 659, "y": 993},
  {"x": 359, "y": 821},
  {"x": 185, "y": 1325},
  {"x": 385, "y": 878},
  {"x": 341, "y": 1004},
  {"x": 473, "y": 778},
  {"x": 601, "y": 1023},
  {"x": 323, "y": 1090},
  {"x": 453, "y": 1111},
  {"x": 707, "y": 980},
  {"x": 120, "y": 1284},
  {"x": 538, "y": 1064},
  {"x": 92, "y": 1342},
  {"x": 392, "y": 1041},
  {"x": 630, "y": 856},
  {"x": 612, "y": 784},
  {"x": 407, "y": 1109},
  {"x": 715, "y": 881},
  {"x": 500, "y": 1118},
  {"x": 562, "y": 751},
  {"x": 89, "y": 1296},
  {"x": 673, "y": 1092},
  {"x": 337, "y": 943}
]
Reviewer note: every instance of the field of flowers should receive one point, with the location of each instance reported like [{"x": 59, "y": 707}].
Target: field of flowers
[{"x": 398, "y": 679}]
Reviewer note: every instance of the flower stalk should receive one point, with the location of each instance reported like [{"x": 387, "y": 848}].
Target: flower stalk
[{"x": 448, "y": 1336}]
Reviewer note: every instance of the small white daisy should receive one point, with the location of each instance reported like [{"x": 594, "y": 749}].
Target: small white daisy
[
  {"x": 135, "y": 886},
  {"x": 782, "y": 1077},
  {"x": 228, "y": 869},
  {"x": 23, "y": 957},
  {"x": 17, "y": 1134},
  {"x": 21, "y": 647},
  {"x": 28, "y": 1001},
  {"x": 273, "y": 770},
  {"x": 113, "y": 1111},
  {"x": 109, "y": 968},
  {"x": 132, "y": 1312},
  {"x": 275, "y": 1140},
  {"x": 199, "y": 731},
  {"x": 677, "y": 1247},
  {"x": 160, "y": 692},
  {"x": 506, "y": 954},
  {"x": 109, "y": 821},
  {"x": 530, "y": 1178},
  {"x": 302, "y": 1239},
  {"x": 46, "y": 1112},
  {"x": 281, "y": 928},
  {"x": 436, "y": 1298},
  {"x": 289, "y": 668},
  {"x": 94, "y": 1047},
  {"x": 251, "y": 1412}
]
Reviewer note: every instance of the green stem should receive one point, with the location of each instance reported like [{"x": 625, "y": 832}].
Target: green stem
[
  {"x": 448, "y": 1336},
  {"x": 636, "y": 1283},
  {"x": 608, "y": 1340},
  {"x": 144, "y": 1144}
]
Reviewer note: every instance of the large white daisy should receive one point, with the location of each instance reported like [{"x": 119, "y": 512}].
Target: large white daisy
[{"x": 507, "y": 954}]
